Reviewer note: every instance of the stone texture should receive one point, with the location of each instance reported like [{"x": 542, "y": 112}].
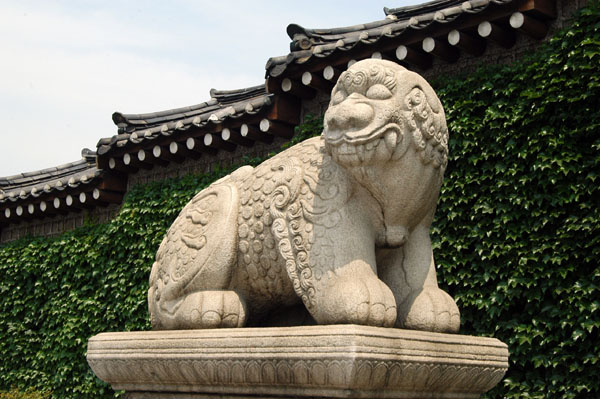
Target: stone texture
[
  {"x": 343, "y": 361},
  {"x": 338, "y": 223}
]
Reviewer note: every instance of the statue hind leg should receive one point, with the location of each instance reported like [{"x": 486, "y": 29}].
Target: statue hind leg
[{"x": 190, "y": 280}]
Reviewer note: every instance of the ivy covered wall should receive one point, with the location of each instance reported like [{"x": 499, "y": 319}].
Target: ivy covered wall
[{"x": 516, "y": 237}]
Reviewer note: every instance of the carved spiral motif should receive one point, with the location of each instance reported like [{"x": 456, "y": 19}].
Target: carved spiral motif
[
  {"x": 280, "y": 203},
  {"x": 429, "y": 130}
]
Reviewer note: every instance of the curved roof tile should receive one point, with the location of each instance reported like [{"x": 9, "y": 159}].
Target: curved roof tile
[
  {"x": 36, "y": 183},
  {"x": 310, "y": 43},
  {"x": 224, "y": 104}
]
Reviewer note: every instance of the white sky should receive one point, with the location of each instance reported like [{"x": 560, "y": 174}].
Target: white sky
[{"x": 66, "y": 66}]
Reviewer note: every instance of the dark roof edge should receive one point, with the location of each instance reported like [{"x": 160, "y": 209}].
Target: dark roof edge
[
  {"x": 120, "y": 118},
  {"x": 295, "y": 29},
  {"x": 42, "y": 175},
  {"x": 419, "y": 9},
  {"x": 217, "y": 97},
  {"x": 215, "y": 93}
]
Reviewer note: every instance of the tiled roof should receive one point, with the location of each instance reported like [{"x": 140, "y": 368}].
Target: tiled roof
[
  {"x": 136, "y": 128},
  {"x": 402, "y": 26},
  {"x": 128, "y": 123},
  {"x": 422, "y": 9},
  {"x": 37, "y": 183}
]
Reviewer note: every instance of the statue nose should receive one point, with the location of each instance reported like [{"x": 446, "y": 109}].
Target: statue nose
[{"x": 349, "y": 116}]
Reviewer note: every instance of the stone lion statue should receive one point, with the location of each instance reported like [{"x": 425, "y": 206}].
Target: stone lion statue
[{"x": 337, "y": 225}]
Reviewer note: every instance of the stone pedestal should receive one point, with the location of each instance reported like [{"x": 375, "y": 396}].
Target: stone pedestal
[{"x": 338, "y": 361}]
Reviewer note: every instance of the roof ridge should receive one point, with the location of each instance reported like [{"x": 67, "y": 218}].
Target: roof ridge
[
  {"x": 131, "y": 122},
  {"x": 406, "y": 12},
  {"x": 38, "y": 176}
]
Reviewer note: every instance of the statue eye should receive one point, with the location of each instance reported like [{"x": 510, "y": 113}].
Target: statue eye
[
  {"x": 378, "y": 92},
  {"x": 338, "y": 97}
]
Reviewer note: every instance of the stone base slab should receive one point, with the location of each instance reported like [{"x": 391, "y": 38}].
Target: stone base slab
[{"x": 338, "y": 361}]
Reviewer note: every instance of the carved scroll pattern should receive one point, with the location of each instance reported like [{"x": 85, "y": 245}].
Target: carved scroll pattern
[
  {"x": 429, "y": 130},
  {"x": 264, "y": 200},
  {"x": 298, "y": 196}
]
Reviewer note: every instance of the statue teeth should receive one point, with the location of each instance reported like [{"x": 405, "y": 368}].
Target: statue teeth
[
  {"x": 369, "y": 155},
  {"x": 360, "y": 150},
  {"x": 391, "y": 139}
]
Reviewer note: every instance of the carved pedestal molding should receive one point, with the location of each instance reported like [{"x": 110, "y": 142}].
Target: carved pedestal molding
[{"x": 337, "y": 361}]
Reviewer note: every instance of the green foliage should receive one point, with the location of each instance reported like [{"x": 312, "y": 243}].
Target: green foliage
[
  {"x": 27, "y": 394},
  {"x": 517, "y": 227},
  {"x": 311, "y": 127},
  {"x": 516, "y": 237},
  {"x": 56, "y": 293}
]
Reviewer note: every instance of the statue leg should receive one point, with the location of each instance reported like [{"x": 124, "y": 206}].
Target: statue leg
[
  {"x": 410, "y": 272},
  {"x": 348, "y": 291},
  {"x": 201, "y": 309}
]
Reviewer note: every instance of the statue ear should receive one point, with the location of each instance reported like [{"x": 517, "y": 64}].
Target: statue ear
[{"x": 397, "y": 139}]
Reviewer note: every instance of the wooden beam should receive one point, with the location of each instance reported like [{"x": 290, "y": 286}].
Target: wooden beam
[
  {"x": 251, "y": 132},
  {"x": 106, "y": 197},
  {"x": 234, "y": 136},
  {"x": 297, "y": 89},
  {"x": 544, "y": 9},
  {"x": 72, "y": 201},
  {"x": 490, "y": 30},
  {"x": 164, "y": 154},
  {"x": 44, "y": 208},
  {"x": 440, "y": 49},
  {"x": 132, "y": 160},
  {"x": 85, "y": 200},
  {"x": 314, "y": 81},
  {"x": 413, "y": 57},
  {"x": 114, "y": 182},
  {"x": 215, "y": 141},
  {"x": 33, "y": 210},
  {"x": 47, "y": 208},
  {"x": 284, "y": 108},
  {"x": 102, "y": 162},
  {"x": 20, "y": 212},
  {"x": 528, "y": 25},
  {"x": 273, "y": 85},
  {"x": 117, "y": 164},
  {"x": 331, "y": 74},
  {"x": 59, "y": 206},
  {"x": 196, "y": 145},
  {"x": 465, "y": 42},
  {"x": 381, "y": 55},
  {"x": 180, "y": 150},
  {"x": 147, "y": 156},
  {"x": 276, "y": 128}
]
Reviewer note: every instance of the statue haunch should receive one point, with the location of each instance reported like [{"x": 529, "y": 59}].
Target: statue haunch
[{"x": 338, "y": 223}]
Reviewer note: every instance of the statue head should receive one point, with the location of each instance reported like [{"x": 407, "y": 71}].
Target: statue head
[{"x": 377, "y": 109}]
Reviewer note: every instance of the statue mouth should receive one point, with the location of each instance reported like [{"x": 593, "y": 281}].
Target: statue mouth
[
  {"x": 365, "y": 148},
  {"x": 358, "y": 136}
]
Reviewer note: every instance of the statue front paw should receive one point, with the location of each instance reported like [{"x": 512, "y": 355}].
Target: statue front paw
[
  {"x": 352, "y": 300},
  {"x": 202, "y": 309},
  {"x": 430, "y": 309}
]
